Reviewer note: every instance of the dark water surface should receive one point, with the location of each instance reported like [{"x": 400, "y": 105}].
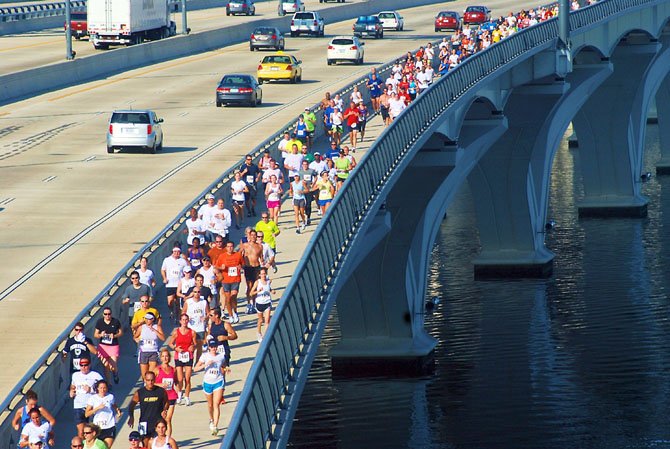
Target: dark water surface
[{"x": 579, "y": 360}]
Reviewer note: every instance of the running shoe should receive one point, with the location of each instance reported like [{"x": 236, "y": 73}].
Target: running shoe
[
  {"x": 302, "y": 227},
  {"x": 236, "y": 319},
  {"x": 318, "y": 212},
  {"x": 186, "y": 401},
  {"x": 260, "y": 338},
  {"x": 274, "y": 269},
  {"x": 213, "y": 429},
  {"x": 231, "y": 320},
  {"x": 248, "y": 214},
  {"x": 297, "y": 231},
  {"x": 250, "y": 309},
  {"x": 309, "y": 222},
  {"x": 116, "y": 377}
]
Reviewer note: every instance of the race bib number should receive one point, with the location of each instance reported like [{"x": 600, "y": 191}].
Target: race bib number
[
  {"x": 76, "y": 363},
  {"x": 167, "y": 384},
  {"x": 142, "y": 428},
  {"x": 82, "y": 388},
  {"x": 307, "y": 178},
  {"x": 214, "y": 372},
  {"x": 250, "y": 179},
  {"x": 184, "y": 357},
  {"x": 137, "y": 306},
  {"x": 107, "y": 339},
  {"x": 220, "y": 349},
  {"x": 353, "y": 125},
  {"x": 232, "y": 271}
]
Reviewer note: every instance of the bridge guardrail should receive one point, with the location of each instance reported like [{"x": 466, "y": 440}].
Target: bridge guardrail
[
  {"x": 282, "y": 363},
  {"x": 39, "y": 10},
  {"x": 48, "y": 376}
]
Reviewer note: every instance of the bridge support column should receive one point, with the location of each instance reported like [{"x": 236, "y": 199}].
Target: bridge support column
[
  {"x": 510, "y": 207},
  {"x": 610, "y": 142},
  {"x": 663, "y": 116},
  {"x": 381, "y": 305}
]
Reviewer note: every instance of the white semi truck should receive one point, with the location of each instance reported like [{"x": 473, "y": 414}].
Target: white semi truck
[{"x": 128, "y": 22}]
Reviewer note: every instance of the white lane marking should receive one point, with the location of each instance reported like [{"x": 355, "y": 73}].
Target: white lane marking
[{"x": 49, "y": 178}]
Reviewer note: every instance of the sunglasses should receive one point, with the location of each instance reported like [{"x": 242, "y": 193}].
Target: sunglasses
[
  {"x": 83, "y": 364},
  {"x": 88, "y": 433},
  {"x": 107, "y": 313},
  {"x": 133, "y": 277},
  {"x": 77, "y": 445},
  {"x": 78, "y": 329}
]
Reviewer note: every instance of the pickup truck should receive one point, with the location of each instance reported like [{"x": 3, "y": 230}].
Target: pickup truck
[
  {"x": 78, "y": 25},
  {"x": 308, "y": 22},
  {"x": 368, "y": 26}
]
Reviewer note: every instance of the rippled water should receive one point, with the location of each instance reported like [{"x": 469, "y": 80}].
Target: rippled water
[{"x": 579, "y": 360}]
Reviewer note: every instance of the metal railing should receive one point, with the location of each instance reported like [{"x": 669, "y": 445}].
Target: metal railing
[
  {"x": 38, "y": 10},
  {"x": 272, "y": 389},
  {"x": 49, "y": 376}
]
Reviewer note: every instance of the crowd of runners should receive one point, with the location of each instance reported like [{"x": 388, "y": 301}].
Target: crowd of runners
[{"x": 205, "y": 274}]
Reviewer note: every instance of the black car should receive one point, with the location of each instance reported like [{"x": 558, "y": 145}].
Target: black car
[
  {"x": 368, "y": 26},
  {"x": 266, "y": 37},
  {"x": 239, "y": 89}
]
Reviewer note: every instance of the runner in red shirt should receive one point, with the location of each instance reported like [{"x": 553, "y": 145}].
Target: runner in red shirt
[
  {"x": 230, "y": 265},
  {"x": 351, "y": 117}
]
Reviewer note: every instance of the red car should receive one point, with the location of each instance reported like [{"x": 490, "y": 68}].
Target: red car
[
  {"x": 78, "y": 24},
  {"x": 476, "y": 14},
  {"x": 447, "y": 20}
]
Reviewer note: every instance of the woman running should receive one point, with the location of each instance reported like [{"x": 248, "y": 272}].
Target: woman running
[
  {"x": 263, "y": 291},
  {"x": 183, "y": 342},
  {"x": 273, "y": 193},
  {"x": 213, "y": 382},
  {"x": 102, "y": 407},
  {"x": 165, "y": 378},
  {"x": 108, "y": 330},
  {"x": 163, "y": 439},
  {"x": 147, "y": 335}
]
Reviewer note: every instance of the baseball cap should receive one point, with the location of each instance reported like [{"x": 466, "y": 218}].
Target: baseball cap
[
  {"x": 211, "y": 341},
  {"x": 134, "y": 435},
  {"x": 317, "y": 154},
  {"x": 209, "y": 196},
  {"x": 306, "y": 108},
  {"x": 187, "y": 269},
  {"x": 35, "y": 439}
]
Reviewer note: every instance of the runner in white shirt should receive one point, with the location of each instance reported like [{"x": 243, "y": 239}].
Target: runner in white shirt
[
  {"x": 36, "y": 430},
  {"x": 205, "y": 214},
  {"x": 81, "y": 388},
  {"x": 237, "y": 190},
  {"x": 195, "y": 227},
  {"x": 221, "y": 220},
  {"x": 396, "y": 106},
  {"x": 172, "y": 271},
  {"x": 102, "y": 407}
]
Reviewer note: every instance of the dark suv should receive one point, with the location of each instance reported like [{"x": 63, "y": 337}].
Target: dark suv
[{"x": 369, "y": 26}]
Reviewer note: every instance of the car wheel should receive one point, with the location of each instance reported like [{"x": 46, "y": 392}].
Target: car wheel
[
  {"x": 293, "y": 34},
  {"x": 329, "y": 61},
  {"x": 218, "y": 104},
  {"x": 292, "y": 80},
  {"x": 437, "y": 30},
  {"x": 152, "y": 149},
  {"x": 260, "y": 100},
  {"x": 110, "y": 150},
  {"x": 227, "y": 12},
  {"x": 260, "y": 80},
  {"x": 251, "y": 48},
  {"x": 300, "y": 78},
  {"x": 282, "y": 47},
  {"x": 254, "y": 103},
  {"x": 160, "y": 147}
]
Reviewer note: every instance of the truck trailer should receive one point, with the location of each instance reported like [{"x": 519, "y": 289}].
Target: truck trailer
[{"x": 128, "y": 22}]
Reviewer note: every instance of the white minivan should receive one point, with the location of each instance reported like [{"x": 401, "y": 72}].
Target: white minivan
[{"x": 290, "y": 7}]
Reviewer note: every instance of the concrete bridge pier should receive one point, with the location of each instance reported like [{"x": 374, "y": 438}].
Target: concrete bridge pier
[
  {"x": 510, "y": 206},
  {"x": 611, "y": 127},
  {"x": 381, "y": 303},
  {"x": 663, "y": 117}
]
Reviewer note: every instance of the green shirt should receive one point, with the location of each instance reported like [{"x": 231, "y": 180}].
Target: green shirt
[
  {"x": 269, "y": 230},
  {"x": 310, "y": 120}
]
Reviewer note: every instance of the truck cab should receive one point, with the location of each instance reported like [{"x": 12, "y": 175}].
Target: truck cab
[{"x": 78, "y": 24}]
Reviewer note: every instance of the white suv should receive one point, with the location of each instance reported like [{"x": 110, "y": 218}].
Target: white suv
[
  {"x": 345, "y": 48},
  {"x": 290, "y": 6},
  {"x": 132, "y": 128}
]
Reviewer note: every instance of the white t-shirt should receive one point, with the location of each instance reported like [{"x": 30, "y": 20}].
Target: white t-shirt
[
  {"x": 396, "y": 107},
  {"x": 42, "y": 432},
  {"x": 237, "y": 187},
  {"x": 221, "y": 221},
  {"x": 271, "y": 171},
  {"x": 318, "y": 167},
  {"x": 293, "y": 161},
  {"x": 213, "y": 366},
  {"x": 196, "y": 314},
  {"x": 105, "y": 416},
  {"x": 205, "y": 210},
  {"x": 146, "y": 277},
  {"x": 174, "y": 270},
  {"x": 193, "y": 226},
  {"x": 81, "y": 381}
]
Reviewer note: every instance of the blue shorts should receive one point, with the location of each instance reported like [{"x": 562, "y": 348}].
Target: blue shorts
[
  {"x": 229, "y": 287},
  {"x": 211, "y": 388},
  {"x": 324, "y": 202},
  {"x": 80, "y": 416}
]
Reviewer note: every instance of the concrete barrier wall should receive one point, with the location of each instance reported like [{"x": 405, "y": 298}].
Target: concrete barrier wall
[{"x": 16, "y": 86}]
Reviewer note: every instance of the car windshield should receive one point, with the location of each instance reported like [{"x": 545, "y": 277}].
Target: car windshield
[
  {"x": 78, "y": 16},
  {"x": 342, "y": 42},
  {"x": 277, "y": 59},
  {"x": 304, "y": 16},
  {"x": 136, "y": 118},
  {"x": 448, "y": 14},
  {"x": 264, "y": 31},
  {"x": 366, "y": 19},
  {"x": 476, "y": 9},
  {"x": 386, "y": 15},
  {"x": 234, "y": 81}
]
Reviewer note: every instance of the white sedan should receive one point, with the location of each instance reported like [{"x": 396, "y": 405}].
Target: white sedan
[
  {"x": 345, "y": 48},
  {"x": 391, "y": 20}
]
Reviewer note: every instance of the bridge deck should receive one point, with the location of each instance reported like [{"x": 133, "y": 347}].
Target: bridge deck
[{"x": 191, "y": 423}]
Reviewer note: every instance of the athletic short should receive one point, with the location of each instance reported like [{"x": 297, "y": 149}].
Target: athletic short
[
  {"x": 310, "y": 134},
  {"x": 171, "y": 291},
  {"x": 251, "y": 273},
  {"x": 238, "y": 203},
  {"x": 211, "y": 388},
  {"x": 107, "y": 433},
  {"x": 80, "y": 416},
  {"x": 336, "y": 128},
  {"x": 273, "y": 204},
  {"x": 384, "y": 112},
  {"x": 251, "y": 193},
  {"x": 172, "y": 401},
  {"x": 299, "y": 202},
  {"x": 145, "y": 357},
  {"x": 375, "y": 95},
  {"x": 263, "y": 307},
  {"x": 353, "y": 127},
  {"x": 361, "y": 125},
  {"x": 229, "y": 287},
  {"x": 178, "y": 362},
  {"x": 324, "y": 202},
  {"x": 108, "y": 351}
]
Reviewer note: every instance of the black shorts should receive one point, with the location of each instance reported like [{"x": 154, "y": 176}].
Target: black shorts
[
  {"x": 238, "y": 203},
  {"x": 251, "y": 273},
  {"x": 361, "y": 126},
  {"x": 80, "y": 416},
  {"x": 385, "y": 112},
  {"x": 107, "y": 433},
  {"x": 260, "y": 308},
  {"x": 252, "y": 193},
  {"x": 171, "y": 291}
]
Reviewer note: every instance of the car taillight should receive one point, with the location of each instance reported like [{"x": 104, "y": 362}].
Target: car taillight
[
  {"x": 244, "y": 6},
  {"x": 292, "y": 22},
  {"x": 353, "y": 27},
  {"x": 295, "y": 5},
  {"x": 274, "y": 36},
  {"x": 289, "y": 67},
  {"x": 148, "y": 129},
  {"x": 316, "y": 23},
  {"x": 223, "y": 89},
  {"x": 354, "y": 47},
  {"x": 253, "y": 37},
  {"x": 246, "y": 90},
  {"x": 260, "y": 66},
  {"x": 111, "y": 129},
  {"x": 330, "y": 47}
]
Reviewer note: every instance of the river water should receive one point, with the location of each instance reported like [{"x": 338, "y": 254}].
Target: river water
[{"x": 579, "y": 360}]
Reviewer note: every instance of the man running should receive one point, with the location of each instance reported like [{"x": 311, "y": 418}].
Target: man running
[
  {"x": 252, "y": 253},
  {"x": 230, "y": 265}
]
